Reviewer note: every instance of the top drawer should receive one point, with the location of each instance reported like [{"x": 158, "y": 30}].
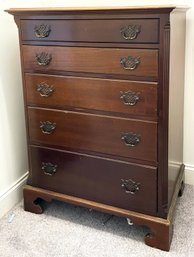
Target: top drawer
[{"x": 117, "y": 31}]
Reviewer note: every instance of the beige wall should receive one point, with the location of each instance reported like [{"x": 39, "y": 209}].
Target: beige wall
[{"x": 13, "y": 159}]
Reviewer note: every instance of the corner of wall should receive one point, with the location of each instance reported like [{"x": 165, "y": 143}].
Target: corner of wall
[{"x": 12, "y": 195}]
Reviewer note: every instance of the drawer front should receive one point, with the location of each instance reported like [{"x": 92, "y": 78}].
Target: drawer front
[
  {"x": 119, "y": 31},
  {"x": 134, "y": 98},
  {"x": 130, "y": 62},
  {"x": 119, "y": 184},
  {"x": 97, "y": 133}
]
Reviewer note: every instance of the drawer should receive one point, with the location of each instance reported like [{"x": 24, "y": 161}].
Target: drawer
[
  {"x": 136, "y": 62},
  {"x": 96, "y": 133},
  {"x": 120, "y": 184},
  {"x": 119, "y": 31},
  {"x": 119, "y": 96}
]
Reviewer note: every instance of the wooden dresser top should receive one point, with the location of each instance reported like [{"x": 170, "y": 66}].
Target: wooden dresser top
[{"x": 143, "y": 9}]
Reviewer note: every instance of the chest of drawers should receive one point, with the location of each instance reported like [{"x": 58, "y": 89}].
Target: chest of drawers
[{"x": 103, "y": 92}]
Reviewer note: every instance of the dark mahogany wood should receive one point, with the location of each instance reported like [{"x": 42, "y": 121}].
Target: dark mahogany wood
[
  {"x": 85, "y": 47},
  {"x": 96, "y": 179},
  {"x": 163, "y": 112},
  {"x": 84, "y": 93},
  {"x": 161, "y": 230},
  {"x": 94, "y": 133},
  {"x": 92, "y": 30},
  {"x": 96, "y": 60}
]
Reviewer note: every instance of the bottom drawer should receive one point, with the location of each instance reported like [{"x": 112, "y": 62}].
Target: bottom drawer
[{"x": 116, "y": 183}]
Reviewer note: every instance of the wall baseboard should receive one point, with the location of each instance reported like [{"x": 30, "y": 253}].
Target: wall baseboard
[
  {"x": 12, "y": 195},
  {"x": 189, "y": 174}
]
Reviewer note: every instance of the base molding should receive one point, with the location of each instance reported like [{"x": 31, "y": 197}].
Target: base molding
[
  {"x": 189, "y": 174},
  {"x": 161, "y": 229},
  {"x": 12, "y": 195}
]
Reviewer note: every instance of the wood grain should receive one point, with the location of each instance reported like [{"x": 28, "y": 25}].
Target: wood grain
[
  {"x": 92, "y": 30},
  {"x": 86, "y": 48},
  {"x": 95, "y": 60},
  {"x": 92, "y": 94},
  {"x": 96, "y": 133},
  {"x": 161, "y": 230},
  {"x": 95, "y": 179}
]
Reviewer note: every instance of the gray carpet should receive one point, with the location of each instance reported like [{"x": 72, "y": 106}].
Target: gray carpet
[{"x": 65, "y": 230}]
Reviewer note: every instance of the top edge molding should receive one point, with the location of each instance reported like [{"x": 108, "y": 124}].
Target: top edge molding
[{"x": 49, "y": 10}]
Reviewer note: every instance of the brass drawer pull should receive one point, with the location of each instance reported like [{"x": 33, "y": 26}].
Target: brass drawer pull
[
  {"x": 49, "y": 168},
  {"x": 42, "y": 31},
  {"x": 130, "y": 186},
  {"x": 130, "y": 62},
  {"x": 131, "y": 139},
  {"x": 130, "y": 32},
  {"x": 47, "y": 127},
  {"x": 130, "y": 97},
  {"x": 44, "y": 89},
  {"x": 43, "y": 58}
]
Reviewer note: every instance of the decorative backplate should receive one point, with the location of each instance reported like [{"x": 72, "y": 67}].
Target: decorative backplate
[
  {"x": 45, "y": 89},
  {"x": 130, "y": 32},
  {"x": 130, "y": 62},
  {"x": 47, "y": 127},
  {"x": 43, "y": 58},
  {"x": 49, "y": 168},
  {"x": 130, "y": 186},
  {"x": 130, "y": 97},
  {"x": 42, "y": 30},
  {"x": 131, "y": 139}
]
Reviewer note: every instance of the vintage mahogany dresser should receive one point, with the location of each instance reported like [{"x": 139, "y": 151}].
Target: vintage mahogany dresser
[{"x": 103, "y": 91}]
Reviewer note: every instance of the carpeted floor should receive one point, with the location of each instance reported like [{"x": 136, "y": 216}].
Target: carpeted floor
[{"x": 65, "y": 230}]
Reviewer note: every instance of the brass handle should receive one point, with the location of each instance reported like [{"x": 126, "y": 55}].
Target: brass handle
[
  {"x": 43, "y": 58},
  {"x": 130, "y": 186},
  {"x": 130, "y": 139},
  {"x": 130, "y": 62},
  {"x": 47, "y": 127},
  {"x": 44, "y": 89},
  {"x": 49, "y": 168},
  {"x": 42, "y": 31},
  {"x": 130, "y": 32},
  {"x": 130, "y": 97}
]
